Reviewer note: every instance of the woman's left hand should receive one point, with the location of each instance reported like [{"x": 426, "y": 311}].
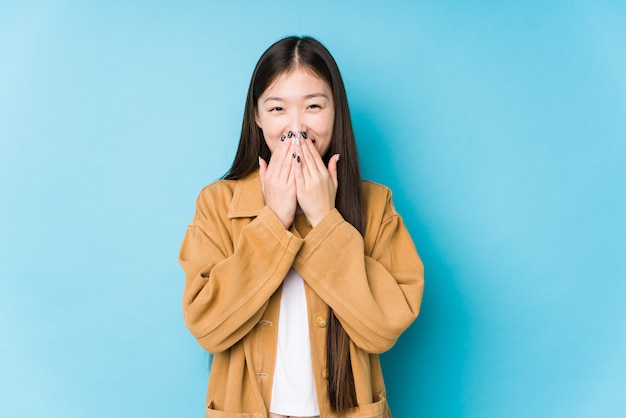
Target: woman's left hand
[{"x": 316, "y": 185}]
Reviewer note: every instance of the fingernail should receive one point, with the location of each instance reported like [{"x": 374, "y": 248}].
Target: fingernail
[
  {"x": 304, "y": 135},
  {"x": 298, "y": 159},
  {"x": 338, "y": 157},
  {"x": 259, "y": 161},
  {"x": 313, "y": 141},
  {"x": 289, "y": 134},
  {"x": 282, "y": 138},
  {"x": 293, "y": 155}
]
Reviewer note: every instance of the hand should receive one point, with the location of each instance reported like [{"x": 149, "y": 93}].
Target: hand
[
  {"x": 279, "y": 184},
  {"x": 316, "y": 184}
]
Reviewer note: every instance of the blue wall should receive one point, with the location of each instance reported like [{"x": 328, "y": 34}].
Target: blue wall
[{"x": 501, "y": 130}]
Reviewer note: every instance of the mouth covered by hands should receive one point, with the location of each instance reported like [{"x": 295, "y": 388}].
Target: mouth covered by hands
[{"x": 296, "y": 175}]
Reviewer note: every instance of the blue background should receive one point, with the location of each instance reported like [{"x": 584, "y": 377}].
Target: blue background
[{"x": 501, "y": 129}]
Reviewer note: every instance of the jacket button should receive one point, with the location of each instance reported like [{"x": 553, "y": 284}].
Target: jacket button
[
  {"x": 325, "y": 373},
  {"x": 321, "y": 322}
]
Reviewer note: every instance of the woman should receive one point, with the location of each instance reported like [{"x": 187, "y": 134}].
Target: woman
[{"x": 298, "y": 272}]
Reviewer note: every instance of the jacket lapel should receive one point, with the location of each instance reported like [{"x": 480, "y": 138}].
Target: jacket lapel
[{"x": 248, "y": 197}]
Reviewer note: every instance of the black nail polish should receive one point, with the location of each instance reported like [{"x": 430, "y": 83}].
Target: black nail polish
[
  {"x": 282, "y": 138},
  {"x": 289, "y": 134},
  {"x": 293, "y": 155},
  {"x": 298, "y": 159},
  {"x": 304, "y": 135},
  {"x": 313, "y": 141}
]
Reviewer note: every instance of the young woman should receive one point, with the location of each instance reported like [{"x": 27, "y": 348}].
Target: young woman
[{"x": 298, "y": 272}]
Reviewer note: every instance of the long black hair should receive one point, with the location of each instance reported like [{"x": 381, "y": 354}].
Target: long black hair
[{"x": 282, "y": 57}]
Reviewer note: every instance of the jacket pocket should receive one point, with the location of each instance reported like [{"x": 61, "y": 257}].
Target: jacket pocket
[
  {"x": 373, "y": 410},
  {"x": 214, "y": 413}
]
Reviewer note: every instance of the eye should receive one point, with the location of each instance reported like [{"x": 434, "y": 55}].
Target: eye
[
  {"x": 315, "y": 106},
  {"x": 276, "y": 109}
]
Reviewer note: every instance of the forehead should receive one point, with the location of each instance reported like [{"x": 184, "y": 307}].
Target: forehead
[{"x": 300, "y": 81}]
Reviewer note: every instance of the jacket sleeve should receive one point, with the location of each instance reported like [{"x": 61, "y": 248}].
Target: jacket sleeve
[
  {"x": 229, "y": 281},
  {"x": 375, "y": 290}
]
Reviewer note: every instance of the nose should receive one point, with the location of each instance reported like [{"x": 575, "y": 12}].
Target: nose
[{"x": 297, "y": 124}]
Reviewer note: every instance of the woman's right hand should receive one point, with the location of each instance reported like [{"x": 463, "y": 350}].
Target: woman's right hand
[{"x": 279, "y": 183}]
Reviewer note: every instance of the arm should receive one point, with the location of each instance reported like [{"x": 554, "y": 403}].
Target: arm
[
  {"x": 375, "y": 290},
  {"x": 229, "y": 280}
]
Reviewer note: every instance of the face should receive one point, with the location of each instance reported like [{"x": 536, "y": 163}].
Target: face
[{"x": 297, "y": 101}]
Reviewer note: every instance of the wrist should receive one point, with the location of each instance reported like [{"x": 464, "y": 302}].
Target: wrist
[
  {"x": 286, "y": 221},
  {"x": 314, "y": 220}
]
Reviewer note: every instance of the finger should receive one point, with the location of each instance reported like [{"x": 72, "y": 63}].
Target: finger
[
  {"x": 283, "y": 164},
  {"x": 332, "y": 168},
  {"x": 262, "y": 169},
  {"x": 280, "y": 158},
  {"x": 298, "y": 170},
  {"x": 288, "y": 164},
  {"x": 313, "y": 158},
  {"x": 309, "y": 157},
  {"x": 304, "y": 159}
]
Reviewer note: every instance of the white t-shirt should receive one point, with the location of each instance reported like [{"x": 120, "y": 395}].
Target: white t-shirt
[{"x": 293, "y": 391}]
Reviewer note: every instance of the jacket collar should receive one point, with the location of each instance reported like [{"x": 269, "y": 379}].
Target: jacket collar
[{"x": 248, "y": 197}]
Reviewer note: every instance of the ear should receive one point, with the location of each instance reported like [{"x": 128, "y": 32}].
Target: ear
[{"x": 256, "y": 118}]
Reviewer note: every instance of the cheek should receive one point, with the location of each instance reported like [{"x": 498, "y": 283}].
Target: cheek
[
  {"x": 271, "y": 133},
  {"x": 325, "y": 134}
]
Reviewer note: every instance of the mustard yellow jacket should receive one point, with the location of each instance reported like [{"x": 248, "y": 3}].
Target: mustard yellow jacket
[{"x": 236, "y": 254}]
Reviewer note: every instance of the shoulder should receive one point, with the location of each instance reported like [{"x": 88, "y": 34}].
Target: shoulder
[
  {"x": 218, "y": 193},
  {"x": 233, "y": 198},
  {"x": 377, "y": 199},
  {"x": 227, "y": 189},
  {"x": 379, "y": 213},
  {"x": 371, "y": 188},
  {"x": 219, "y": 188}
]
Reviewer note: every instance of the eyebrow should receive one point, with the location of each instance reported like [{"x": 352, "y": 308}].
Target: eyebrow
[{"x": 308, "y": 96}]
